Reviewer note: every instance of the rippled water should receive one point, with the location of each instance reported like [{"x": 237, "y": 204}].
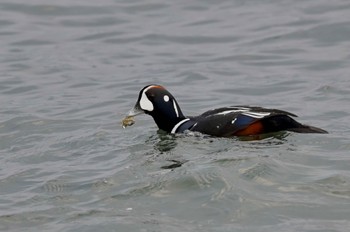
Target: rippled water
[{"x": 70, "y": 70}]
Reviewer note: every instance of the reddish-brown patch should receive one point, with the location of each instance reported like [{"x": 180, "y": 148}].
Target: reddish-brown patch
[
  {"x": 157, "y": 87},
  {"x": 252, "y": 129}
]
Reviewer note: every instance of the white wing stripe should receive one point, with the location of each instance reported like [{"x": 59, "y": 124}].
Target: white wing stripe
[
  {"x": 227, "y": 112},
  {"x": 244, "y": 111},
  {"x": 256, "y": 114}
]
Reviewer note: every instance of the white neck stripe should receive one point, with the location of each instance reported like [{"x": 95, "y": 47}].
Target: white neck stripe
[
  {"x": 175, "y": 107},
  {"x": 173, "y": 131}
]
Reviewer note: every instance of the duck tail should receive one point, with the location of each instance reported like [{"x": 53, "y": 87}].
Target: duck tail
[{"x": 308, "y": 129}]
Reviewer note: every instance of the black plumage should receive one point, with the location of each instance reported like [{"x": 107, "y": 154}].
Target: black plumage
[{"x": 156, "y": 101}]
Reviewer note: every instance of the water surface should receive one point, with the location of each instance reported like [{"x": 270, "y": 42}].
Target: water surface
[{"x": 70, "y": 71}]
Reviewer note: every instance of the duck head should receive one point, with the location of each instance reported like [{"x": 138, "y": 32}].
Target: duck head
[{"x": 158, "y": 102}]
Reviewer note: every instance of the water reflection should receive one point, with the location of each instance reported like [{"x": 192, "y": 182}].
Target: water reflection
[
  {"x": 166, "y": 142},
  {"x": 175, "y": 164},
  {"x": 277, "y": 137},
  {"x": 166, "y": 145}
]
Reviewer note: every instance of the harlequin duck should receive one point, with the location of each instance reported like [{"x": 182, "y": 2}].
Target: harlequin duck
[{"x": 156, "y": 101}]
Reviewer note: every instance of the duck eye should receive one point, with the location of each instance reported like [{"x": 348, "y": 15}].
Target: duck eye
[{"x": 166, "y": 98}]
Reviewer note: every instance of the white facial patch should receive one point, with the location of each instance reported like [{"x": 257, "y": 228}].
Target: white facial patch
[
  {"x": 166, "y": 98},
  {"x": 145, "y": 103}
]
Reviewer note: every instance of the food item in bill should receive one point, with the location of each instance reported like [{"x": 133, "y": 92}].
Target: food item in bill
[{"x": 128, "y": 121}]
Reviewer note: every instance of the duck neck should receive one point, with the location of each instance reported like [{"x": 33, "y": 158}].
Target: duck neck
[
  {"x": 167, "y": 117},
  {"x": 167, "y": 123}
]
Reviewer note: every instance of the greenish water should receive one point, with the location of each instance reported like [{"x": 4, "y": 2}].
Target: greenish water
[{"x": 71, "y": 70}]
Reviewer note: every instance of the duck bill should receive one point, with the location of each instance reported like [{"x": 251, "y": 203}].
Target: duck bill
[{"x": 135, "y": 111}]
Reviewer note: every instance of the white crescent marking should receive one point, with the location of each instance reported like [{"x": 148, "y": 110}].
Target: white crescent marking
[{"x": 178, "y": 125}]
